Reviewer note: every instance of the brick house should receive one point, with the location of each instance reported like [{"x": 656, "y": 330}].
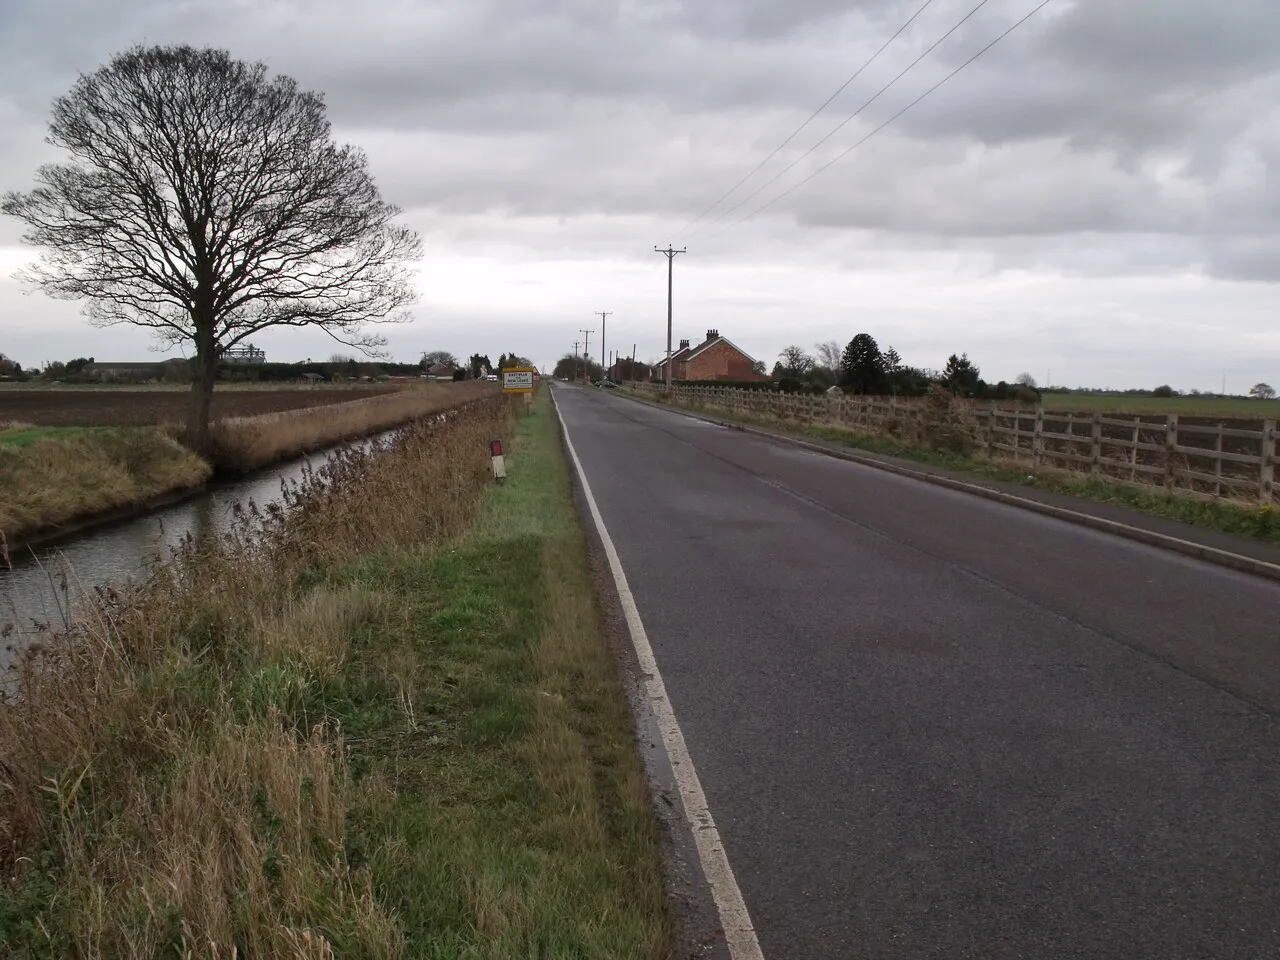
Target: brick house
[{"x": 716, "y": 358}]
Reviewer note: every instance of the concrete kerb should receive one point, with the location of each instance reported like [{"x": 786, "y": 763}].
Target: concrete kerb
[{"x": 1224, "y": 558}]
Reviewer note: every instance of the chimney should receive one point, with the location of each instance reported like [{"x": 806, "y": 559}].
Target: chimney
[
  {"x": 684, "y": 344},
  {"x": 712, "y": 334}
]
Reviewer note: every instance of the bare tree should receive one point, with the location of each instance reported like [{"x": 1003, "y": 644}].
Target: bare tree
[
  {"x": 1026, "y": 380},
  {"x": 828, "y": 354},
  {"x": 795, "y": 361},
  {"x": 1262, "y": 391},
  {"x": 206, "y": 201},
  {"x": 433, "y": 357}
]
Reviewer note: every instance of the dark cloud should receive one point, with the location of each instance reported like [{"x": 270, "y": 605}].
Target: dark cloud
[{"x": 1136, "y": 138}]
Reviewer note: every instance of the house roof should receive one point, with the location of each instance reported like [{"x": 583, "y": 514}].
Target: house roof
[
  {"x": 714, "y": 340},
  {"x": 680, "y": 354}
]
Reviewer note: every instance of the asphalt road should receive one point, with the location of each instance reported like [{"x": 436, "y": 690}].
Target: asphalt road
[{"x": 929, "y": 725}]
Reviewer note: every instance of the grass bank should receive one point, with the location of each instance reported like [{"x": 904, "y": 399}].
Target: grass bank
[
  {"x": 382, "y": 724},
  {"x": 1255, "y": 522},
  {"x": 50, "y": 476},
  {"x": 247, "y": 443}
]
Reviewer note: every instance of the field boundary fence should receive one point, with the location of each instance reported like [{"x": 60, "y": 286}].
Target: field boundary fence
[{"x": 1228, "y": 458}]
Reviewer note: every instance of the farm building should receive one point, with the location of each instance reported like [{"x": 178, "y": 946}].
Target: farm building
[
  {"x": 245, "y": 354},
  {"x": 715, "y": 358}
]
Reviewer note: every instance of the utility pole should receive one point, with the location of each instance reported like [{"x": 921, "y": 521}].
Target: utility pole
[
  {"x": 575, "y": 359},
  {"x": 631, "y": 370},
  {"x": 586, "y": 354},
  {"x": 603, "y": 314},
  {"x": 670, "y": 253}
]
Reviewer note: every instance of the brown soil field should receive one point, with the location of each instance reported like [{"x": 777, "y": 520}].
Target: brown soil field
[{"x": 130, "y": 408}]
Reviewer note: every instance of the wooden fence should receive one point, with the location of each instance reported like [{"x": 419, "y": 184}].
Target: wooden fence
[{"x": 1234, "y": 459}]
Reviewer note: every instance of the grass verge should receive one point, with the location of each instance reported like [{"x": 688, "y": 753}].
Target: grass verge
[
  {"x": 1258, "y": 523},
  {"x": 381, "y": 724},
  {"x": 50, "y": 477}
]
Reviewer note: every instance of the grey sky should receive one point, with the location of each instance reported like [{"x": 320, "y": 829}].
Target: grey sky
[{"x": 1097, "y": 195}]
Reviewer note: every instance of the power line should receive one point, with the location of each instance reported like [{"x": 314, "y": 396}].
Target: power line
[
  {"x": 825, "y": 103},
  {"x": 838, "y": 127},
  {"x": 844, "y": 153}
]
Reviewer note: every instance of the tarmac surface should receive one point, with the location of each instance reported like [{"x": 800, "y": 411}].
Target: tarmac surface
[{"x": 933, "y": 725}]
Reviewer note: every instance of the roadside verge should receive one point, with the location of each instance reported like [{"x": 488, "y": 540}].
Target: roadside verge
[{"x": 380, "y": 724}]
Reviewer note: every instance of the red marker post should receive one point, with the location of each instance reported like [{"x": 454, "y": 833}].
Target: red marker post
[{"x": 499, "y": 462}]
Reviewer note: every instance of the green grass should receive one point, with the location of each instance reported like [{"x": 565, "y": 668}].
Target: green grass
[
  {"x": 1230, "y": 407},
  {"x": 517, "y": 822},
  {"x": 25, "y": 436}
]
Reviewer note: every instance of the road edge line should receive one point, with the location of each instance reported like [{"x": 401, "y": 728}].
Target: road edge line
[
  {"x": 740, "y": 935},
  {"x": 1214, "y": 555}
]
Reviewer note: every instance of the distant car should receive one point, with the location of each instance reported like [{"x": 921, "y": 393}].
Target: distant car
[
  {"x": 607, "y": 385},
  {"x": 491, "y": 376}
]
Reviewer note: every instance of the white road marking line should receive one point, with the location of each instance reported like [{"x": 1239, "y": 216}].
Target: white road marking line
[{"x": 740, "y": 935}]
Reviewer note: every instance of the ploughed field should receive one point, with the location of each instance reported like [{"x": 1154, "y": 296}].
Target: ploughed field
[{"x": 126, "y": 408}]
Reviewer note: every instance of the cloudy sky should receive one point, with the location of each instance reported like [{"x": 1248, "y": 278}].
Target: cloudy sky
[{"x": 1098, "y": 195}]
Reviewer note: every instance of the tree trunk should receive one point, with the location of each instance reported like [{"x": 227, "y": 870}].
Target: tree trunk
[{"x": 202, "y": 393}]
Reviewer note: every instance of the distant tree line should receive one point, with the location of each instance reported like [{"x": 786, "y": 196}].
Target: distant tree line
[
  {"x": 337, "y": 366},
  {"x": 571, "y": 367},
  {"x": 863, "y": 367}
]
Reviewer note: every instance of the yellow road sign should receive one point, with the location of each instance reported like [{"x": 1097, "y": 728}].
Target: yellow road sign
[{"x": 517, "y": 380}]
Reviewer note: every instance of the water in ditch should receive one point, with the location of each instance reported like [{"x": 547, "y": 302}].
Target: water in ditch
[{"x": 42, "y": 583}]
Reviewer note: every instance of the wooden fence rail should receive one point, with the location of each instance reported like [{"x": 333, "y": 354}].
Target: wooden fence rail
[{"x": 1233, "y": 459}]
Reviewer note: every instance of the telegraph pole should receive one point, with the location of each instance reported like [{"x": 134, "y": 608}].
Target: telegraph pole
[
  {"x": 670, "y": 253},
  {"x": 603, "y": 315},
  {"x": 586, "y": 353},
  {"x": 575, "y": 359}
]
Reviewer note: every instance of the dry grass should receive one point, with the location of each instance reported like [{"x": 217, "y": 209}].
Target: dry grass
[
  {"x": 51, "y": 476},
  {"x": 167, "y": 789},
  {"x": 60, "y": 477},
  {"x": 245, "y": 443},
  {"x": 344, "y": 730}
]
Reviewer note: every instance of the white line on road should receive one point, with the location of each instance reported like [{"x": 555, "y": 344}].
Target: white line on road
[{"x": 740, "y": 935}]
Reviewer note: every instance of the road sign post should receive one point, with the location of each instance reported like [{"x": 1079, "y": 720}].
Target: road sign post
[{"x": 519, "y": 380}]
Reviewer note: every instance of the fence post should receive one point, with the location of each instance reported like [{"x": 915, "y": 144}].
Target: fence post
[
  {"x": 1170, "y": 451},
  {"x": 1037, "y": 439},
  {"x": 1133, "y": 452},
  {"x": 1095, "y": 445},
  {"x": 1017, "y": 430},
  {"x": 1266, "y": 485},
  {"x": 991, "y": 431},
  {"x": 1217, "y": 464}
]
